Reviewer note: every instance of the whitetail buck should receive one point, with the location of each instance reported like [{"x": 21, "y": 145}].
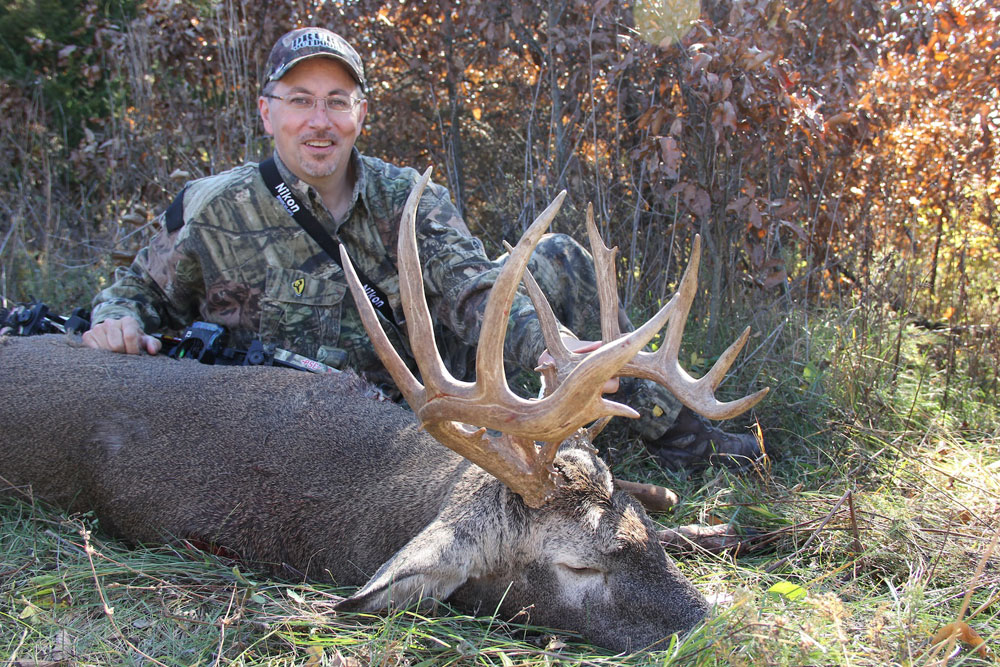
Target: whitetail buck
[{"x": 312, "y": 476}]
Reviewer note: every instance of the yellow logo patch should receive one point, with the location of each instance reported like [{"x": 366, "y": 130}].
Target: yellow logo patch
[{"x": 299, "y": 285}]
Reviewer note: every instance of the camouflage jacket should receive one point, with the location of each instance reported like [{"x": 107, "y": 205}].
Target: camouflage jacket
[{"x": 241, "y": 261}]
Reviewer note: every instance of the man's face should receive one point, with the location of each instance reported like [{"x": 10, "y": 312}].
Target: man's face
[{"x": 316, "y": 144}]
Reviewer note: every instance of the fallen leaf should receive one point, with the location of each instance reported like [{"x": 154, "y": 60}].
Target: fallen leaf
[
  {"x": 965, "y": 634},
  {"x": 315, "y": 654},
  {"x": 340, "y": 660},
  {"x": 700, "y": 61},
  {"x": 62, "y": 650},
  {"x": 555, "y": 644},
  {"x": 29, "y": 612},
  {"x": 788, "y": 590}
]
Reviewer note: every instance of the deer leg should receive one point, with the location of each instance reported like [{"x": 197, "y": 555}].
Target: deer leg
[
  {"x": 652, "y": 497},
  {"x": 714, "y": 539}
]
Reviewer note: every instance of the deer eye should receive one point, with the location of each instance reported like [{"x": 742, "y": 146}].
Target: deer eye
[{"x": 582, "y": 571}]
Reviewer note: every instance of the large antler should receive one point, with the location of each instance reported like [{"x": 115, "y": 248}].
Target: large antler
[
  {"x": 447, "y": 406},
  {"x": 661, "y": 366}
]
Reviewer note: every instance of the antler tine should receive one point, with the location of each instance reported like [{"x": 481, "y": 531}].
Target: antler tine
[
  {"x": 491, "y": 403},
  {"x": 419, "y": 325},
  {"x": 662, "y": 366},
  {"x": 607, "y": 280},
  {"x": 562, "y": 358},
  {"x": 587, "y": 368},
  {"x": 408, "y": 385},
  {"x": 489, "y": 355},
  {"x": 564, "y": 361}
]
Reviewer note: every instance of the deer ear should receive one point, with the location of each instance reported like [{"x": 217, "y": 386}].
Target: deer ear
[{"x": 433, "y": 564}]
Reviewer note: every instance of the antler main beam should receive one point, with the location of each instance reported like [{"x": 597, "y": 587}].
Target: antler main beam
[{"x": 446, "y": 406}]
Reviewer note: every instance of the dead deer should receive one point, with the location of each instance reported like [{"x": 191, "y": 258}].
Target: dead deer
[{"x": 314, "y": 477}]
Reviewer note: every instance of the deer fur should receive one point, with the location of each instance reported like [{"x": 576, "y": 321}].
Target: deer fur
[{"x": 310, "y": 476}]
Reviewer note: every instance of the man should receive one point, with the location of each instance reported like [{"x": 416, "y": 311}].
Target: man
[{"x": 231, "y": 252}]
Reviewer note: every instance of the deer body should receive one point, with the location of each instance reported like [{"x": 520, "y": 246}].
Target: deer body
[
  {"x": 249, "y": 458},
  {"x": 311, "y": 476}
]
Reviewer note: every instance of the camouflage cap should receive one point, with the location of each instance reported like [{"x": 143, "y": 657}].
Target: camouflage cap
[{"x": 298, "y": 45}]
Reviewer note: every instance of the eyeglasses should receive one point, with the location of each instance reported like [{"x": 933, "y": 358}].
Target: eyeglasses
[{"x": 301, "y": 103}]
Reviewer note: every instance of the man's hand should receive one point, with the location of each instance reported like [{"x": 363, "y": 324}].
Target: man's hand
[
  {"x": 580, "y": 347},
  {"x": 124, "y": 335}
]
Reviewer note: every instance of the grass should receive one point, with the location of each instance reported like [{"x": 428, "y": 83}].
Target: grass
[{"x": 882, "y": 571}]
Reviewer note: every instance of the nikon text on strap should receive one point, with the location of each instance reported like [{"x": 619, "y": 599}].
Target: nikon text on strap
[{"x": 308, "y": 222}]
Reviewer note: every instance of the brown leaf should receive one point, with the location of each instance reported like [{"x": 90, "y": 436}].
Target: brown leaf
[
  {"x": 839, "y": 119},
  {"x": 338, "y": 659},
  {"x": 757, "y": 59},
  {"x": 671, "y": 155},
  {"x": 645, "y": 118},
  {"x": 728, "y": 115},
  {"x": 965, "y": 634},
  {"x": 697, "y": 200},
  {"x": 315, "y": 654},
  {"x": 724, "y": 89},
  {"x": 775, "y": 279},
  {"x": 699, "y": 62},
  {"x": 801, "y": 233},
  {"x": 738, "y": 204}
]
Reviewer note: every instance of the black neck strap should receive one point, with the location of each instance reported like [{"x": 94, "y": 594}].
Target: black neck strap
[{"x": 302, "y": 215}]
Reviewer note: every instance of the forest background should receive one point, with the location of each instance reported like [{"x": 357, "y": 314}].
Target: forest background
[{"x": 838, "y": 158}]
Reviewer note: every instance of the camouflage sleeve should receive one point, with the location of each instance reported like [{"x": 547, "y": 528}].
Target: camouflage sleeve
[
  {"x": 162, "y": 288},
  {"x": 458, "y": 277}
]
